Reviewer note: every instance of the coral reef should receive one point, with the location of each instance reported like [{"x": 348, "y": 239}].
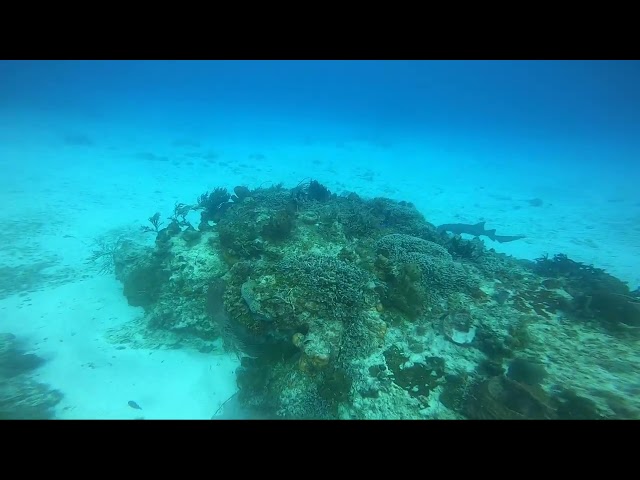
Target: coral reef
[{"x": 344, "y": 307}]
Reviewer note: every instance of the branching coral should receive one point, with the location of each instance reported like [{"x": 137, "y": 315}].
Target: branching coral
[{"x": 335, "y": 289}]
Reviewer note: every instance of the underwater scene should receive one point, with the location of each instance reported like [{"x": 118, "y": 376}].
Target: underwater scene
[{"x": 320, "y": 239}]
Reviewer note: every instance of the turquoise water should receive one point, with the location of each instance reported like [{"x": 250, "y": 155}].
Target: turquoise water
[{"x": 542, "y": 150}]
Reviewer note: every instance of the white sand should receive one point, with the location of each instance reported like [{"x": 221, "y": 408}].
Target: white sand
[
  {"x": 56, "y": 198},
  {"x": 66, "y": 325}
]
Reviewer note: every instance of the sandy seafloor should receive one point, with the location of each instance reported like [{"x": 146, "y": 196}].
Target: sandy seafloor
[{"x": 65, "y": 183}]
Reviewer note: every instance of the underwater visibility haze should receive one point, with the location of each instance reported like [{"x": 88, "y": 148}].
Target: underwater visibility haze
[{"x": 315, "y": 239}]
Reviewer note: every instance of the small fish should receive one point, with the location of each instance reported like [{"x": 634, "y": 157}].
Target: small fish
[{"x": 133, "y": 404}]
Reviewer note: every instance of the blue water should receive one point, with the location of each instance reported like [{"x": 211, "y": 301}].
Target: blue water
[
  {"x": 100, "y": 144},
  {"x": 575, "y": 117}
]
